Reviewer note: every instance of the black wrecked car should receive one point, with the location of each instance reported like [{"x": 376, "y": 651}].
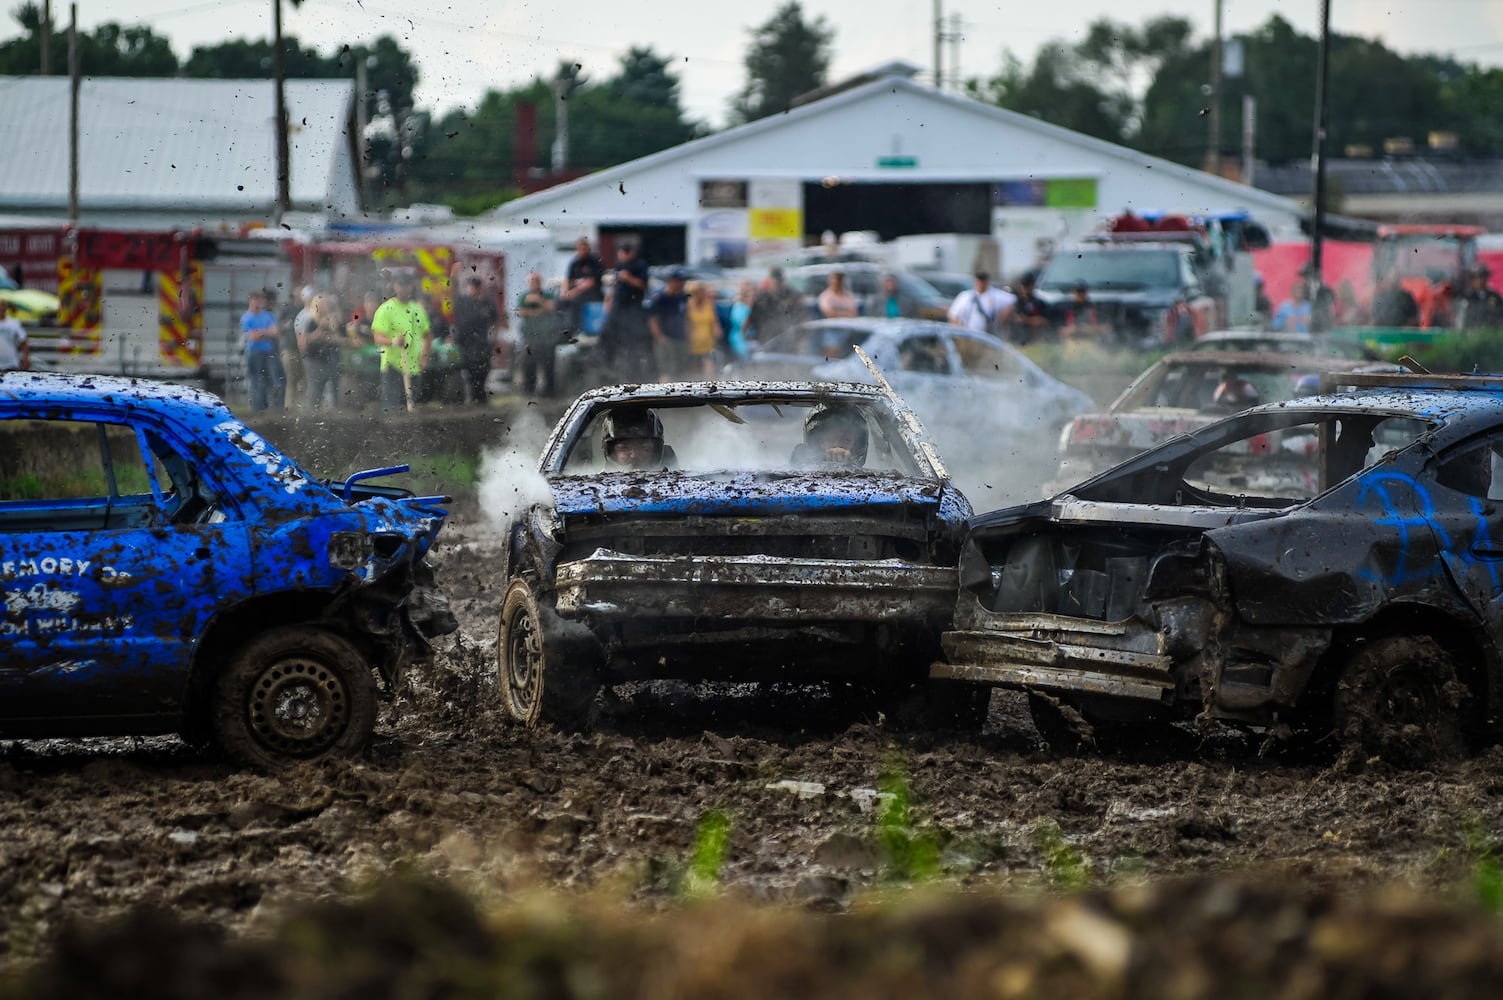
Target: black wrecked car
[
  {"x": 735, "y": 531},
  {"x": 1189, "y": 583}
]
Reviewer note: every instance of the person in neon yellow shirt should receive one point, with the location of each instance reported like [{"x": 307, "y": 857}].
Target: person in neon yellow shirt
[{"x": 400, "y": 328}]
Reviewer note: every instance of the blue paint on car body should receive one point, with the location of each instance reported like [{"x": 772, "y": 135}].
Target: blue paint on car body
[{"x": 108, "y": 599}]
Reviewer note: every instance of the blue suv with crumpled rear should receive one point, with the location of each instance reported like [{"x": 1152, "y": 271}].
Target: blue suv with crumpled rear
[{"x": 163, "y": 568}]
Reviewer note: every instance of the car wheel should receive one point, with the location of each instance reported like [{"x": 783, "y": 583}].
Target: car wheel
[
  {"x": 1401, "y": 698},
  {"x": 294, "y": 694},
  {"x": 542, "y": 677}
]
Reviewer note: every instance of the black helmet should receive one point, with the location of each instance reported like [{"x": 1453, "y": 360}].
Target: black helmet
[
  {"x": 627, "y": 425},
  {"x": 827, "y": 415}
]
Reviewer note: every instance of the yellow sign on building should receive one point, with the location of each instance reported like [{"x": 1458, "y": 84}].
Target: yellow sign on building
[{"x": 776, "y": 223}]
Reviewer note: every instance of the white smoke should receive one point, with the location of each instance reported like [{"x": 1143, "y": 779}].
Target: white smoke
[{"x": 510, "y": 482}]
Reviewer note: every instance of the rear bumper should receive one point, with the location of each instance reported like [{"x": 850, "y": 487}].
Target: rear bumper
[
  {"x": 610, "y": 586},
  {"x": 1123, "y": 659}
]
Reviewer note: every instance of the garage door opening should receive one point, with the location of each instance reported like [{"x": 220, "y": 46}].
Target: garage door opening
[{"x": 894, "y": 210}]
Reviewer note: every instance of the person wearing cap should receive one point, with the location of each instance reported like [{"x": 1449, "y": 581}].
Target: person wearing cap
[
  {"x": 776, "y": 307},
  {"x": 1031, "y": 318},
  {"x": 982, "y": 307},
  {"x": 402, "y": 331},
  {"x": 1081, "y": 317},
  {"x": 1479, "y": 307},
  {"x": 625, "y": 340},
  {"x": 667, "y": 318},
  {"x": 582, "y": 285}
]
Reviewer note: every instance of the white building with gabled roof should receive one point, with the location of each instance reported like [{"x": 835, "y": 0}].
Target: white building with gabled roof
[
  {"x": 881, "y": 153},
  {"x": 175, "y": 153}
]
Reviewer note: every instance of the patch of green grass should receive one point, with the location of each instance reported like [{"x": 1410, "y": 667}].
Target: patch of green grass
[
  {"x": 912, "y": 856},
  {"x": 1487, "y": 871},
  {"x": 452, "y": 473},
  {"x": 72, "y": 484},
  {"x": 1456, "y": 353},
  {"x": 711, "y": 843},
  {"x": 1063, "y": 864}
]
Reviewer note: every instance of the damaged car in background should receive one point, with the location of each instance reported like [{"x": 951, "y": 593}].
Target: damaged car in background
[
  {"x": 994, "y": 413},
  {"x": 165, "y": 569},
  {"x": 1180, "y": 586},
  {"x": 734, "y": 531},
  {"x": 1184, "y": 391}
]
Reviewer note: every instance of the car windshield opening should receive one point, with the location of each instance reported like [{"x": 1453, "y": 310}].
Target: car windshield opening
[{"x": 764, "y": 436}]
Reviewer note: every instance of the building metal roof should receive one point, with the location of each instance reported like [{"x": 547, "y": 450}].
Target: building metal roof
[
  {"x": 881, "y": 87},
  {"x": 1389, "y": 175},
  {"x": 171, "y": 144}
]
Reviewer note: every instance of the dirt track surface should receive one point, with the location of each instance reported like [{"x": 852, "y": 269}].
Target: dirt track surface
[{"x": 90, "y": 828}]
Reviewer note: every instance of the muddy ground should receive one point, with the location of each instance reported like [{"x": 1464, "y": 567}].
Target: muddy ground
[{"x": 89, "y": 829}]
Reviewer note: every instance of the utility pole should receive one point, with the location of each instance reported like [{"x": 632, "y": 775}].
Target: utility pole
[
  {"x": 279, "y": 72},
  {"x": 362, "y": 121},
  {"x": 1316, "y": 232},
  {"x": 73, "y": 86},
  {"x": 1213, "y": 155},
  {"x": 1249, "y": 139},
  {"x": 939, "y": 34},
  {"x": 957, "y": 27},
  {"x": 46, "y": 37},
  {"x": 562, "y": 84}
]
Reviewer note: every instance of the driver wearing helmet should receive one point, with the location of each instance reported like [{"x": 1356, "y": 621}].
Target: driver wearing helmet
[
  {"x": 834, "y": 436},
  {"x": 633, "y": 439}
]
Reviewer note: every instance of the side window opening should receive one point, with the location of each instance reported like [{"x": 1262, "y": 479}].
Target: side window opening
[
  {"x": 1476, "y": 470},
  {"x": 87, "y": 475}
]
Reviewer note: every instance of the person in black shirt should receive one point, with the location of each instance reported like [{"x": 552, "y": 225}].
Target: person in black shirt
[
  {"x": 1393, "y": 305},
  {"x": 1030, "y": 319},
  {"x": 776, "y": 307},
  {"x": 625, "y": 339},
  {"x": 581, "y": 286},
  {"x": 1479, "y": 308},
  {"x": 475, "y": 315}
]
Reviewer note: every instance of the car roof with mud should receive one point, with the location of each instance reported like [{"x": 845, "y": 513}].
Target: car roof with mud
[
  {"x": 65, "y": 390},
  {"x": 728, "y": 390}
]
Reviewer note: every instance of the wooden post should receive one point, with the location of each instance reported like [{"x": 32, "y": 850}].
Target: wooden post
[
  {"x": 74, "y": 82},
  {"x": 279, "y": 71}
]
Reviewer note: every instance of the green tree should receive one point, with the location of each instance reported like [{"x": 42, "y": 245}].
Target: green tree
[
  {"x": 111, "y": 49},
  {"x": 1091, "y": 86},
  {"x": 645, "y": 79},
  {"x": 789, "y": 55},
  {"x": 247, "y": 59}
]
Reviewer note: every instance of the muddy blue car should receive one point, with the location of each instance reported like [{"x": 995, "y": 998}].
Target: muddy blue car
[
  {"x": 165, "y": 569},
  {"x": 732, "y": 531}
]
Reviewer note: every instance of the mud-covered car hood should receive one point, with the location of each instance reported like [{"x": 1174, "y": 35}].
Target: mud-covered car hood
[{"x": 739, "y": 493}]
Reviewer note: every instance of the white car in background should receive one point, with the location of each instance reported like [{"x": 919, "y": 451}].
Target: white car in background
[{"x": 995, "y": 414}]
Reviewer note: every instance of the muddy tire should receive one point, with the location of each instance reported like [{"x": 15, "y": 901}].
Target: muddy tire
[
  {"x": 1402, "y": 699},
  {"x": 294, "y": 694},
  {"x": 542, "y": 677}
]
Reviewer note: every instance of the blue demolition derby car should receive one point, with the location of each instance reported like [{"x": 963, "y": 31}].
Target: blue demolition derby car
[
  {"x": 165, "y": 569},
  {"x": 734, "y": 531}
]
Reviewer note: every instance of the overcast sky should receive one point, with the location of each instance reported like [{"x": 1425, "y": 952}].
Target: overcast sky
[{"x": 464, "y": 47}]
